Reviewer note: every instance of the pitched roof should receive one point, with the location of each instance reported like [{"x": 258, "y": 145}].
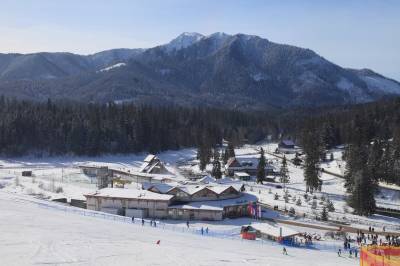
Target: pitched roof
[
  {"x": 242, "y": 174},
  {"x": 232, "y": 161},
  {"x": 274, "y": 230},
  {"x": 216, "y": 205},
  {"x": 287, "y": 142},
  {"x": 149, "y": 158},
  {"x": 130, "y": 193}
]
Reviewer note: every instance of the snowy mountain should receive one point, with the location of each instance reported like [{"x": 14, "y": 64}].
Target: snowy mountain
[
  {"x": 237, "y": 71},
  {"x": 182, "y": 41}
]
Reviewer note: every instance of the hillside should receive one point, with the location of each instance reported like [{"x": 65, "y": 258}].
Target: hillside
[{"x": 236, "y": 71}]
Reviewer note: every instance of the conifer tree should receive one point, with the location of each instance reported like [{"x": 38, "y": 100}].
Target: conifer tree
[
  {"x": 284, "y": 172},
  {"x": 312, "y": 146},
  {"x": 231, "y": 150},
  {"x": 324, "y": 214},
  {"x": 226, "y": 156},
  {"x": 362, "y": 197},
  {"x": 216, "y": 170},
  {"x": 216, "y": 154},
  {"x": 261, "y": 167}
]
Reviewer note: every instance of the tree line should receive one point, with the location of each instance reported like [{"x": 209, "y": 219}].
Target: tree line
[
  {"x": 58, "y": 128},
  {"x": 371, "y": 134}
]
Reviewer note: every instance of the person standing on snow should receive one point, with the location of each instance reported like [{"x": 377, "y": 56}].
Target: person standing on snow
[{"x": 284, "y": 251}]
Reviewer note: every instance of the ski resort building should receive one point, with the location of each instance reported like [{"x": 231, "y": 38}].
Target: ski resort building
[
  {"x": 286, "y": 146},
  {"x": 273, "y": 232},
  {"x": 191, "y": 202},
  {"x": 242, "y": 176},
  {"x": 246, "y": 165},
  {"x": 153, "y": 165},
  {"x": 129, "y": 202}
]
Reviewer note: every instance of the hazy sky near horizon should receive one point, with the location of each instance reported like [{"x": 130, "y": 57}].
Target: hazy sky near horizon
[{"x": 357, "y": 34}]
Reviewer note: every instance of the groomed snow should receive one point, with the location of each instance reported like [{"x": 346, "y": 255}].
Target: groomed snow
[{"x": 31, "y": 235}]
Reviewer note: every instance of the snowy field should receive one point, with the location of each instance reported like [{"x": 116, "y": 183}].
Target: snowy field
[
  {"x": 42, "y": 231},
  {"x": 31, "y": 235}
]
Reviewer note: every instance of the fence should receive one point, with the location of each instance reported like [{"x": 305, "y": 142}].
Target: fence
[{"x": 380, "y": 256}]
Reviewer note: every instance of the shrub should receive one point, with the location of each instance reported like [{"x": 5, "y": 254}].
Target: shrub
[
  {"x": 298, "y": 202},
  {"x": 314, "y": 204},
  {"x": 330, "y": 206}
]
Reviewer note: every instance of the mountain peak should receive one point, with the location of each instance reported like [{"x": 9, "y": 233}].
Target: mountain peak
[{"x": 183, "y": 40}]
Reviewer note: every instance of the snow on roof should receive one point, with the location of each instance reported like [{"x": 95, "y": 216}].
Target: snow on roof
[
  {"x": 144, "y": 166},
  {"x": 128, "y": 194},
  {"x": 149, "y": 158},
  {"x": 207, "y": 179},
  {"x": 192, "y": 189},
  {"x": 162, "y": 187},
  {"x": 218, "y": 189},
  {"x": 287, "y": 142},
  {"x": 242, "y": 174},
  {"x": 274, "y": 230},
  {"x": 159, "y": 177},
  {"x": 214, "y": 205}
]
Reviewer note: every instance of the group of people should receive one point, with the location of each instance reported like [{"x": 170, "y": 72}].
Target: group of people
[
  {"x": 204, "y": 231},
  {"x": 374, "y": 239},
  {"x": 152, "y": 222}
]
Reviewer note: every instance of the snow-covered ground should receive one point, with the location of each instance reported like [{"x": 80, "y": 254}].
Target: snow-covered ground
[
  {"x": 31, "y": 235},
  {"x": 60, "y": 177}
]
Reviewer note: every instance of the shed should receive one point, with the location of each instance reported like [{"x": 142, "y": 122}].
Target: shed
[
  {"x": 242, "y": 176},
  {"x": 286, "y": 144},
  {"x": 26, "y": 173},
  {"x": 248, "y": 232},
  {"x": 275, "y": 232}
]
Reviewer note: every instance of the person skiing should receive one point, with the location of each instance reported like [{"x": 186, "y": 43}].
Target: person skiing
[
  {"x": 133, "y": 219},
  {"x": 187, "y": 224},
  {"x": 202, "y": 231},
  {"x": 284, "y": 251},
  {"x": 207, "y": 230},
  {"x": 339, "y": 252},
  {"x": 142, "y": 221}
]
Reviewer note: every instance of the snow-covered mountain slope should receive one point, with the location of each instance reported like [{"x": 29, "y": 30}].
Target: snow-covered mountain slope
[
  {"x": 182, "y": 41},
  {"x": 33, "y": 235},
  {"x": 245, "y": 71},
  {"x": 377, "y": 83},
  {"x": 112, "y": 67}
]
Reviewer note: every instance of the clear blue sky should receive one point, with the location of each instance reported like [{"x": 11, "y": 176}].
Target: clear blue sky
[{"x": 350, "y": 33}]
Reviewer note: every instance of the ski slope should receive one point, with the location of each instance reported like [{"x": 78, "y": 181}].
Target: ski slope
[{"x": 32, "y": 235}]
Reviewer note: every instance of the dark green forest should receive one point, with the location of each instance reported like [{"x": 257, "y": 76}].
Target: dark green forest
[
  {"x": 56, "y": 128},
  {"x": 92, "y": 129}
]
